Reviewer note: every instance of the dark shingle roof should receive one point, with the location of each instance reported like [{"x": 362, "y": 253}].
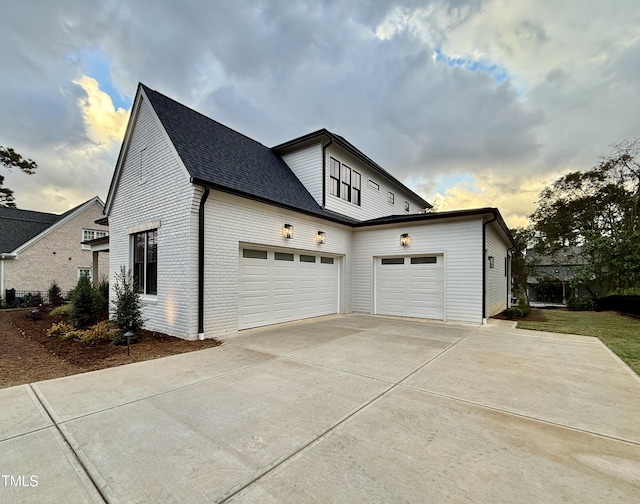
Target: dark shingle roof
[
  {"x": 224, "y": 159},
  {"x": 19, "y": 226}
]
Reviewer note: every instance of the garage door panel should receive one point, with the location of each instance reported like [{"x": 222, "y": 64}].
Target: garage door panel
[
  {"x": 275, "y": 288},
  {"x": 412, "y": 287}
]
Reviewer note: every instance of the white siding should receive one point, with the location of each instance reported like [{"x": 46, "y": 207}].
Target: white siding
[
  {"x": 497, "y": 288},
  {"x": 306, "y": 163},
  {"x": 375, "y": 203},
  {"x": 231, "y": 221},
  {"x": 157, "y": 190},
  {"x": 460, "y": 243}
]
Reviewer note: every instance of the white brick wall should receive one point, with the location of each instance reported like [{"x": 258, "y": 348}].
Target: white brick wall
[
  {"x": 57, "y": 256},
  {"x": 157, "y": 190},
  {"x": 230, "y": 221}
]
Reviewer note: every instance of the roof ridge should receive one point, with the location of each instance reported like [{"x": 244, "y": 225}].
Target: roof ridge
[{"x": 147, "y": 88}]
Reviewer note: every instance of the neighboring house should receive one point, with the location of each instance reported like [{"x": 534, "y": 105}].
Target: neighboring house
[
  {"x": 37, "y": 248},
  {"x": 551, "y": 275},
  {"x": 223, "y": 233}
]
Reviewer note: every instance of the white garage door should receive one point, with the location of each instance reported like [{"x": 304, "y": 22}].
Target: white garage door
[
  {"x": 279, "y": 286},
  {"x": 410, "y": 286}
]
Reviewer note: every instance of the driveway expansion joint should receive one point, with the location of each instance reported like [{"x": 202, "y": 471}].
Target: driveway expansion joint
[{"x": 70, "y": 446}]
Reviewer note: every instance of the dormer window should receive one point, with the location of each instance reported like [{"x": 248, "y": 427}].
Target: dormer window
[
  {"x": 392, "y": 198},
  {"x": 335, "y": 177},
  {"x": 406, "y": 206},
  {"x": 344, "y": 182},
  {"x": 355, "y": 188}
]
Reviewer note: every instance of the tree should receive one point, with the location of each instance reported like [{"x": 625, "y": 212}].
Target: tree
[
  {"x": 127, "y": 312},
  {"x": 11, "y": 159},
  {"x": 85, "y": 303},
  {"x": 599, "y": 211},
  {"x": 520, "y": 268}
]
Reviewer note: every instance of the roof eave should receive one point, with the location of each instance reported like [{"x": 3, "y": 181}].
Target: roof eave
[{"x": 253, "y": 197}]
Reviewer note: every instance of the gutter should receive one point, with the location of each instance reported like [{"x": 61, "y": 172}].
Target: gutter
[
  {"x": 484, "y": 267},
  {"x": 201, "y": 264},
  {"x": 324, "y": 172}
]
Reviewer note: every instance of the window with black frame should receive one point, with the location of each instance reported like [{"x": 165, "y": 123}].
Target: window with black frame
[{"x": 145, "y": 261}]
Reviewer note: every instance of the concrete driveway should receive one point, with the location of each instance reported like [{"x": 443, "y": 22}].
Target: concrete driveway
[{"x": 340, "y": 409}]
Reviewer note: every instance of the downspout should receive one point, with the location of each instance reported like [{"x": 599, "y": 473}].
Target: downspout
[
  {"x": 484, "y": 267},
  {"x": 324, "y": 172},
  {"x": 510, "y": 252},
  {"x": 203, "y": 200},
  {"x": 1, "y": 277}
]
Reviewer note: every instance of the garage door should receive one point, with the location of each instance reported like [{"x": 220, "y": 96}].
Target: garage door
[
  {"x": 279, "y": 286},
  {"x": 410, "y": 286}
]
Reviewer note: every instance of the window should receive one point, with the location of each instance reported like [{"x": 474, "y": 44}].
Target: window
[
  {"x": 254, "y": 254},
  {"x": 424, "y": 260},
  {"x": 84, "y": 272},
  {"x": 355, "y": 188},
  {"x": 345, "y": 188},
  {"x": 145, "y": 262},
  {"x": 307, "y": 258},
  {"x": 392, "y": 198},
  {"x": 91, "y": 234},
  {"x": 406, "y": 206},
  {"x": 283, "y": 256},
  {"x": 326, "y": 260},
  {"x": 393, "y": 260},
  {"x": 335, "y": 177},
  {"x": 374, "y": 185}
]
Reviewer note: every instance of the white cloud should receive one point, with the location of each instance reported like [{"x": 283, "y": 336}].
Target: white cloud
[{"x": 565, "y": 88}]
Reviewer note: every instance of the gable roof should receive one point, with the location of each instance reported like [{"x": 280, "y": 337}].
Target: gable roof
[
  {"x": 19, "y": 228},
  {"x": 349, "y": 147},
  {"x": 221, "y": 158}
]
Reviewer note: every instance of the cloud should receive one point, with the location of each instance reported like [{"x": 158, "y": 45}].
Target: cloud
[
  {"x": 520, "y": 91},
  {"x": 104, "y": 123}
]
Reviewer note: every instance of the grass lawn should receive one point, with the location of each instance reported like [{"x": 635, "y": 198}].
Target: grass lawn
[{"x": 620, "y": 333}]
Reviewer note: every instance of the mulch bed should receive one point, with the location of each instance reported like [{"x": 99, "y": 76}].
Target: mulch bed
[
  {"x": 27, "y": 354},
  {"x": 536, "y": 315}
]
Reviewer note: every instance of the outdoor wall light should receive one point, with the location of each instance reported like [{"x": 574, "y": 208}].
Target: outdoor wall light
[
  {"x": 287, "y": 231},
  {"x": 320, "y": 238},
  {"x": 491, "y": 262},
  {"x": 405, "y": 240}
]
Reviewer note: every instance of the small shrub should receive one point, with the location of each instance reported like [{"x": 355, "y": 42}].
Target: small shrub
[
  {"x": 86, "y": 305},
  {"x": 60, "y": 329},
  {"x": 62, "y": 311},
  {"x": 34, "y": 300},
  {"x": 584, "y": 303},
  {"x": 127, "y": 313},
  {"x": 517, "y": 312},
  {"x": 55, "y": 294},
  {"x": 73, "y": 334},
  {"x": 513, "y": 313},
  {"x": 102, "y": 331}
]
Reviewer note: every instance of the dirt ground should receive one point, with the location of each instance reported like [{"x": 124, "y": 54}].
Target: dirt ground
[{"x": 28, "y": 355}]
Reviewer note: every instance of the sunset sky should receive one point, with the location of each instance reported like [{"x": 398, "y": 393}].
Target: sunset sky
[{"x": 470, "y": 103}]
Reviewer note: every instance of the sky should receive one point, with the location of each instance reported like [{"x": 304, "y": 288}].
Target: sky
[{"x": 471, "y": 103}]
